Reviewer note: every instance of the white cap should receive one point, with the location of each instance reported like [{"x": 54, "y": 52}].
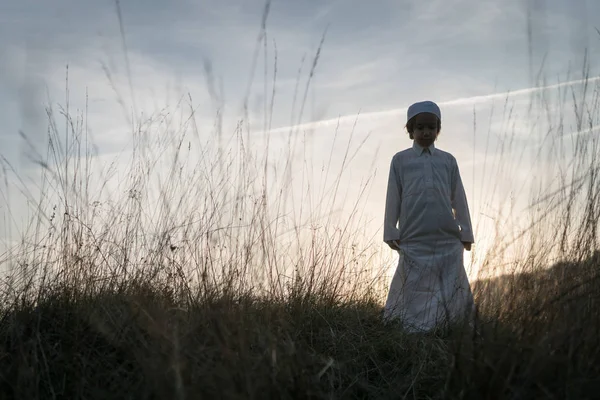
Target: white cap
[{"x": 423, "y": 107}]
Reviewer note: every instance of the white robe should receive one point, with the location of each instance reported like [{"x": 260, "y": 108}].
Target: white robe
[{"x": 427, "y": 212}]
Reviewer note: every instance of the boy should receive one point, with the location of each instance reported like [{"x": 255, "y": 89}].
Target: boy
[{"x": 427, "y": 221}]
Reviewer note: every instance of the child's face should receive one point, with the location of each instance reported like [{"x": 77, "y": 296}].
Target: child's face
[{"x": 425, "y": 129}]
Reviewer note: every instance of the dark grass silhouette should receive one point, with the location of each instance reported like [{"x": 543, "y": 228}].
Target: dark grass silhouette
[{"x": 138, "y": 341}]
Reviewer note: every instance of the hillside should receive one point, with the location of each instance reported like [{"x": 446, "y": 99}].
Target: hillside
[{"x": 137, "y": 340}]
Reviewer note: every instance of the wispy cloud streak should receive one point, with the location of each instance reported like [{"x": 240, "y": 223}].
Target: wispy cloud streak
[{"x": 377, "y": 115}]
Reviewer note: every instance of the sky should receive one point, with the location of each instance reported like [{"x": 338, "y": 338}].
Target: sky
[{"x": 374, "y": 60}]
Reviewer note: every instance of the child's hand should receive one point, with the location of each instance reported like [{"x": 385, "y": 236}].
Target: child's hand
[{"x": 467, "y": 246}]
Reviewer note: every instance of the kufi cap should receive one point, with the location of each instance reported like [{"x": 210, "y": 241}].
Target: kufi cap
[{"x": 423, "y": 107}]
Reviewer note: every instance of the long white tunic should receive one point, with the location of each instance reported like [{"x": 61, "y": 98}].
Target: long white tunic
[{"x": 427, "y": 212}]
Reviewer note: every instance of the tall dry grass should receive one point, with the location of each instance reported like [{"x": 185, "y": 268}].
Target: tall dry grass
[{"x": 214, "y": 270}]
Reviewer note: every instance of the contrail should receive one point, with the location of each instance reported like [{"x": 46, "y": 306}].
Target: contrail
[
  {"x": 456, "y": 102},
  {"x": 595, "y": 128}
]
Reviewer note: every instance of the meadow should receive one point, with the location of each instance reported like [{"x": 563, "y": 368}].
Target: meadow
[{"x": 207, "y": 271}]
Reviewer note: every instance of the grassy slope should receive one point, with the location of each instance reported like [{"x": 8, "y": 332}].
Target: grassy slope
[{"x": 136, "y": 341}]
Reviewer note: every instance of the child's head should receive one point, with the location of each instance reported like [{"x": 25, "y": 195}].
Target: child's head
[{"x": 424, "y": 122}]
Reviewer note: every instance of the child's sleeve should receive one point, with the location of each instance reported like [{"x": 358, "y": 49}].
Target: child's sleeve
[
  {"x": 460, "y": 206},
  {"x": 392, "y": 205}
]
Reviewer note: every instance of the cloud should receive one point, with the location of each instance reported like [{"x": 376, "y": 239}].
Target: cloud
[
  {"x": 415, "y": 49},
  {"x": 399, "y": 112},
  {"x": 377, "y": 57}
]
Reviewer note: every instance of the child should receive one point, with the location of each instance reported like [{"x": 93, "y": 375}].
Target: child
[{"x": 427, "y": 221}]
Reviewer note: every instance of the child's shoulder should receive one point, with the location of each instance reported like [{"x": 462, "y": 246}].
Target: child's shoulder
[
  {"x": 410, "y": 152},
  {"x": 401, "y": 156},
  {"x": 403, "y": 153},
  {"x": 445, "y": 154}
]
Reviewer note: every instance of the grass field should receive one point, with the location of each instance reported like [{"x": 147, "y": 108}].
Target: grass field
[
  {"x": 139, "y": 339},
  {"x": 192, "y": 276}
]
